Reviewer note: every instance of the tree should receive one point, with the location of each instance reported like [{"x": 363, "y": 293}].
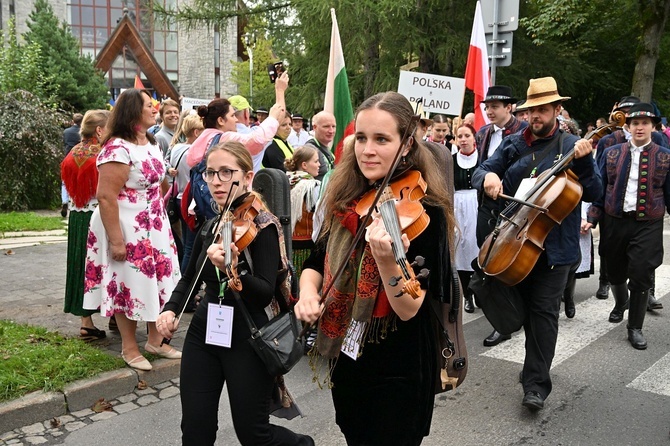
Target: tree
[
  {"x": 654, "y": 16},
  {"x": 79, "y": 86},
  {"x": 19, "y": 67},
  {"x": 31, "y": 149}
]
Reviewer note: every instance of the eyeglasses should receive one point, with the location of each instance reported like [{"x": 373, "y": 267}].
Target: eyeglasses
[{"x": 223, "y": 174}]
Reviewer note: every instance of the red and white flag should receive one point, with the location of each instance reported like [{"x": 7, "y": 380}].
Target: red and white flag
[
  {"x": 337, "y": 99},
  {"x": 477, "y": 76}
]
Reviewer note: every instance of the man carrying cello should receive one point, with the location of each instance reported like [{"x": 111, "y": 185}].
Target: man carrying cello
[{"x": 525, "y": 156}]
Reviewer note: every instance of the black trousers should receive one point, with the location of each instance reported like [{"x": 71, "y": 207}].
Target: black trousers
[
  {"x": 205, "y": 369},
  {"x": 542, "y": 291},
  {"x": 632, "y": 249}
]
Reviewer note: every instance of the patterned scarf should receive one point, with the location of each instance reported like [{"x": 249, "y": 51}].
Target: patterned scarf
[{"x": 357, "y": 295}]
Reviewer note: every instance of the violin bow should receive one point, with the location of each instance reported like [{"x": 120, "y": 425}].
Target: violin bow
[{"x": 409, "y": 133}]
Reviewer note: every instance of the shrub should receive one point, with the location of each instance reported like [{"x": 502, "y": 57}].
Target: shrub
[{"x": 31, "y": 149}]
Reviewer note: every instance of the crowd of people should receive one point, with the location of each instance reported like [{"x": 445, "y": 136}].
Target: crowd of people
[{"x": 128, "y": 262}]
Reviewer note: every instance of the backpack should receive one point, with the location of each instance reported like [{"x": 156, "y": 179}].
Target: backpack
[{"x": 197, "y": 190}]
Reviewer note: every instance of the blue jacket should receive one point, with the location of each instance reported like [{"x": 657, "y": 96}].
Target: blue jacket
[
  {"x": 512, "y": 161},
  {"x": 653, "y": 185}
]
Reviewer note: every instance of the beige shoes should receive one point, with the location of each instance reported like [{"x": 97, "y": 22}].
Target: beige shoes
[
  {"x": 169, "y": 353},
  {"x": 138, "y": 363}
]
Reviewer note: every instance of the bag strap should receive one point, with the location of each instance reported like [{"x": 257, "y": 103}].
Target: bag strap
[
  {"x": 255, "y": 332},
  {"x": 174, "y": 180}
]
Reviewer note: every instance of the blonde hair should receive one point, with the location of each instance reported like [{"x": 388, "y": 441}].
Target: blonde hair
[
  {"x": 300, "y": 155},
  {"x": 92, "y": 120}
]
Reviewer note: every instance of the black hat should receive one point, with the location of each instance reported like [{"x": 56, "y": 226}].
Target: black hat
[
  {"x": 296, "y": 116},
  {"x": 642, "y": 110},
  {"x": 520, "y": 106},
  {"x": 627, "y": 101},
  {"x": 500, "y": 93},
  {"x": 262, "y": 110}
]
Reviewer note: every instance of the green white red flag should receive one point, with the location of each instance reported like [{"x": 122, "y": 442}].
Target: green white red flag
[{"x": 337, "y": 99}]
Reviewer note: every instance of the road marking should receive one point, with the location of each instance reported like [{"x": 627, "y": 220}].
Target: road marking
[
  {"x": 589, "y": 324},
  {"x": 655, "y": 379}
]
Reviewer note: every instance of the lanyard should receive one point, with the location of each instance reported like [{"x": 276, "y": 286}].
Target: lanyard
[{"x": 222, "y": 284}]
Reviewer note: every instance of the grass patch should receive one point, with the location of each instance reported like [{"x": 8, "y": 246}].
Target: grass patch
[
  {"x": 28, "y": 221},
  {"x": 32, "y": 358}
]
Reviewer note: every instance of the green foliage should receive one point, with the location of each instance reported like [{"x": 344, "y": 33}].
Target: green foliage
[
  {"x": 19, "y": 68},
  {"x": 263, "y": 92},
  {"x": 32, "y": 358},
  {"x": 30, "y": 152},
  {"x": 28, "y": 221},
  {"x": 79, "y": 86},
  {"x": 591, "y": 48}
]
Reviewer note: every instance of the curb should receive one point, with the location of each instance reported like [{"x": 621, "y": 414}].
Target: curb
[{"x": 39, "y": 406}]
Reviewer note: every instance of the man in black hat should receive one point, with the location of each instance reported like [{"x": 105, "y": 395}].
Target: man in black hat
[
  {"x": 261, "y": 114},
  {"x": 636, "y": 193},
  {"x": 498, "y": 103},
  {"x": 621, "y": 136},
  {"x": 299, "y": 135},
  {"x": 520, "y": 112}
]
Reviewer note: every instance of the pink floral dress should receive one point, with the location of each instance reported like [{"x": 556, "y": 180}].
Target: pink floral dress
[{"x": 140, "y": 285}]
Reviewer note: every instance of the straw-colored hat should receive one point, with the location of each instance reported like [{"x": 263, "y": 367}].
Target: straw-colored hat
[
  {"x": 418, "y": 109},
  {"x": 542, "y": 91}
]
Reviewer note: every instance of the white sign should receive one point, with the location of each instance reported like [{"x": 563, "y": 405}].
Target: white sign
[
  {"x": 441, "y": 94},
  {"x": 192, "y": 103}
]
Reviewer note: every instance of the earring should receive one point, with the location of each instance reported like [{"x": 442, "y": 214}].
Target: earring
[{"x": 404, "y": 160}]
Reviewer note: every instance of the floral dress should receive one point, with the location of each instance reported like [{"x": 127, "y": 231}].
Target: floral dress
[{"x": 140, "y": 285}]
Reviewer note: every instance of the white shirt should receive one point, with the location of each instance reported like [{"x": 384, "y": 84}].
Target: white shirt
[
  {"x": 258, "y": 158},
  {"x": 630, "y": 197},
  {"x": 298, "y": 139},
  {"x": 496, "y": 139}
]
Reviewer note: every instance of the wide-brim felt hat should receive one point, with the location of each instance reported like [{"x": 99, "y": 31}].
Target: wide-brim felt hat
[
  {"x": 642, "y": 110},
  {"x": 542, "y": 91},
  {"x": 262, "y": 110},
  {"x": 296, "y": 116},
  {"x": 626, "y": 102},
  {"x": 500, "y": 93}
]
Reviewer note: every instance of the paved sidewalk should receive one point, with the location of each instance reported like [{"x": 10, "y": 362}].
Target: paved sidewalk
[{"x": 32, "y": 287}]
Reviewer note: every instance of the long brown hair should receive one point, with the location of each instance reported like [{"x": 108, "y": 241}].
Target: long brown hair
[
  {"x": 126, "y": 114},
  {"x": 348, "y": 183}
]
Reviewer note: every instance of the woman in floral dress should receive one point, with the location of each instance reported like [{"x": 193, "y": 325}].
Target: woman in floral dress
[{"x": 131, "y": 262}]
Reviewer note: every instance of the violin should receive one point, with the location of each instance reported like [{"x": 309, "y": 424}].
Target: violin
[
  {"x": 237, "y": 227},
  {"x": 402, "y": 213}
]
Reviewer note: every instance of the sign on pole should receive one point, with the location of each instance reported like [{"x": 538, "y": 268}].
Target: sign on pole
[
  {"x": 508, "y": 15},
  {"x": 193, "y": 103},
  {"x": 503, "y": 49},
  {"x": 441, "y": 94}
]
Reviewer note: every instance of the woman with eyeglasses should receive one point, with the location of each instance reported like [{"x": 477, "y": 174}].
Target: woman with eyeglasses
[
  {"x": 207, "y": 362},
  {"x": 131, "y": 262}
]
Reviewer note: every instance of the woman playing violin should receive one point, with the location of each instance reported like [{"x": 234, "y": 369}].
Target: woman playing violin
[
  {"x": 376, "y": 338},
  {"x": 205, "y": 366}
]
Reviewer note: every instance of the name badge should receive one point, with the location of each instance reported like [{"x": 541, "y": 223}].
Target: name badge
[
  {"x": 351, "y": 344},
  {"x": 219, "y": 325}
]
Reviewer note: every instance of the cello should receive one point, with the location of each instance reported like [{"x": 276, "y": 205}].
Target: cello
[{"x": 512, "y": 249}]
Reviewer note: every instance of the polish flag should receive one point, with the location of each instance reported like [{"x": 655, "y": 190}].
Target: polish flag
[
  {"x": 337, "y": 99},
  {"x": 477, "y": 76}
]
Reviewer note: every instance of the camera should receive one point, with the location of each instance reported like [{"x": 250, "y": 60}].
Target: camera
[{"x": 275, "y": 70}]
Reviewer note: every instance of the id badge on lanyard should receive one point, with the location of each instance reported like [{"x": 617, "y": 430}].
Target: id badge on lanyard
[{"x": 219, "y": 330}]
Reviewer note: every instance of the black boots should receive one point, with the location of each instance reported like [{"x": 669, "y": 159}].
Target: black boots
[
  {"x": 603, "y": 290},
  {"x": 653, "y": 304},
  {"x": 469, "y": 305},
  {"x": 569, "y": 296},
  {"x": 63, "y": 210},
  {"x": 620, "y": 302},
  {"x": 636, "y": 313}
]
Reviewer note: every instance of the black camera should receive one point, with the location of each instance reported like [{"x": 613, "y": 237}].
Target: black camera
[{"x": 275, "y": 70}]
